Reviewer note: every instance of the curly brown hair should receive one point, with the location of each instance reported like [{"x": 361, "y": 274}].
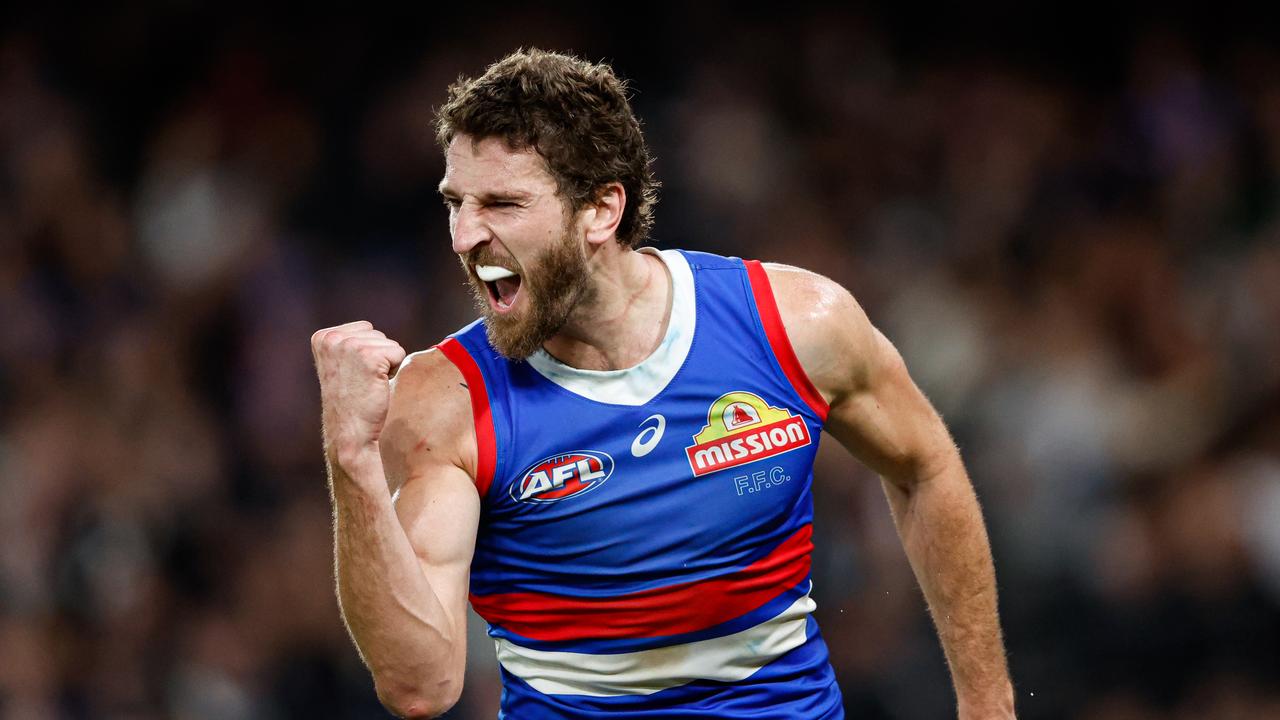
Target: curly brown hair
[{"x": 575, "y": 114}]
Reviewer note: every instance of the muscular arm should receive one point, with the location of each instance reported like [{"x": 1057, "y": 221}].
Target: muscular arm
[
  {"x": 880, "y": 416},
  {"x": 405, "y": 518}
]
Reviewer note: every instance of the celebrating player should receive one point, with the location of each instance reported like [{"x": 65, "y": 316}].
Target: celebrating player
[{"x": 614, "y": 463}]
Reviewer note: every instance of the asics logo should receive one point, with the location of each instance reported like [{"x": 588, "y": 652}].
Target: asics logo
[{"x": 650, "y": 436}]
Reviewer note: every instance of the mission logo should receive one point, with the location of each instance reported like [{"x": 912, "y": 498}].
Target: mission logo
[
  {"x": 741, "y": 428},
  {"x": 563, "y": 476}
]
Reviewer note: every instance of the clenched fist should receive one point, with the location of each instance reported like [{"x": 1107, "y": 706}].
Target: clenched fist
[{"x": 355, "y": 363}]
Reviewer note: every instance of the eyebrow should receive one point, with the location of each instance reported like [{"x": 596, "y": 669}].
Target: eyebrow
[{"x": 488, "y": 197}]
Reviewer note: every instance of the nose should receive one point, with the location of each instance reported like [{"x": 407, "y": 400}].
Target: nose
[{"x": 467, "y": 228}]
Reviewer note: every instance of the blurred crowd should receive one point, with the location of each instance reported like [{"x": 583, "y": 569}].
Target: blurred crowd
[{"x": 1081, "y": 268}]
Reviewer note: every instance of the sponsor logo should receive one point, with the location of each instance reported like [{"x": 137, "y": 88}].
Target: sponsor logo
[
  {"x": 563, "y": 476},
  {"x": 649, "y": 437},
  {"x": 741, "y": 428}
]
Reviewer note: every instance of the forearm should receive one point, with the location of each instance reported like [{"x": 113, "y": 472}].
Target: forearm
[
  {"x": 941, "y": 525},
  {"x": 394, "y": 615}
]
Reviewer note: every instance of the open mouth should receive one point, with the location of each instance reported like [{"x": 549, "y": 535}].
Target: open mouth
[{"x": 503, "y": 285}]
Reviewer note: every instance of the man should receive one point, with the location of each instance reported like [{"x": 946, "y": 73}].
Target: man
[{"x": 616, "y": 463}]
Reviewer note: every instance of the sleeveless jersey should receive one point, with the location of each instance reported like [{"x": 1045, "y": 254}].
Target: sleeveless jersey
[{"x": 645, "y": 534}]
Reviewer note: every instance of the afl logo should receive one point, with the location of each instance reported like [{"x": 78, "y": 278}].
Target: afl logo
[{"x": 563, "y": 476}]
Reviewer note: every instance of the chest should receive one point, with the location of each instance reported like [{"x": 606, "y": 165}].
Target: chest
[{"x": 705, "y": 471}]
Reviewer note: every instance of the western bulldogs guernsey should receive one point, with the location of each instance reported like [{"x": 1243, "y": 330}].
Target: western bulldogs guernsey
[{"x": 644, "y": 540}]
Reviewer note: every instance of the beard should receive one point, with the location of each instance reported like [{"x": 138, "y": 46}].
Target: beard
[{"x": 552, "y": 287}]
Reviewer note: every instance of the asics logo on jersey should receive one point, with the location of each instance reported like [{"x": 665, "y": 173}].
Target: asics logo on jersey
[
  {"x": 563, "y": 476},
  {"x": 649, "y": 437},
  {"x": 741, "y": 428}
]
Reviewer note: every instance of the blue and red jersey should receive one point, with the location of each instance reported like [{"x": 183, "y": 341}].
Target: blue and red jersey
[{"x": 645, "y": 534}]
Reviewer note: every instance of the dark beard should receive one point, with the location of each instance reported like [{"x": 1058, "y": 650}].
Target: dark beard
[{"x": 555, "y": 287}]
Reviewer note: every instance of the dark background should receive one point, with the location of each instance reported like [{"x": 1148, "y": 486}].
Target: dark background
[{"x": 1066, "y": 218}]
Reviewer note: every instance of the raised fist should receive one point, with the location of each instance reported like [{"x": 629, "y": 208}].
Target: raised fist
[{"x": 355, "y": 363}]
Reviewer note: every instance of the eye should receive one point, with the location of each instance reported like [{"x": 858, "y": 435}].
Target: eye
[{"x": 451, "y": 203}]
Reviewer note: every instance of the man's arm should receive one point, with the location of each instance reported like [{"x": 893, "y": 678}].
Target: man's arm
[
  {"x": 400, "y": 459},
  {"x": 880, "y": 416}
]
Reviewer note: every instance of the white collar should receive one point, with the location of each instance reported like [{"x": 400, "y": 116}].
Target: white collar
[{"x": 639, "y": 384}]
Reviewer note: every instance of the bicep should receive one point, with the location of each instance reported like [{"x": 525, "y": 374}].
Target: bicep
[
  {"x": 876, "y": 410},
  {"x": 428, "y": 452},
  {"x": 439, "y": 510},
  {"x": 886, "y": 421}
]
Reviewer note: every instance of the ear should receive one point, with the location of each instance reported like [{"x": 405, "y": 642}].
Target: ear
[{"x": 602, "y": 216}]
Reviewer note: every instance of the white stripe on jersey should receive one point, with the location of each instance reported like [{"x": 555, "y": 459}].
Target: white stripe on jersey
[{"x": 728, "y": 658}]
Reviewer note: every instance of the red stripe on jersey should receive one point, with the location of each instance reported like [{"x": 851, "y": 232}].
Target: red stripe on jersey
[
  {"x": 767, "y": 306},
  {"x": 671, "y": 610},
  {"x": 486, "y": 443}
]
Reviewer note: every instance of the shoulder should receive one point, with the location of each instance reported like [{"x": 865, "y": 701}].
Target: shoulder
[
  {"x": 831, "y": 335},
  {"x": 429, "y": 372},
  {"x": 809, "y": 296},
  {"x": 429, "y": 422}
]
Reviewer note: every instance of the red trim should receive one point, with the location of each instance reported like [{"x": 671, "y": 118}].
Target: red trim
[
  {"x": 767, "y": 306},
  {"x": 486, "y": 443},
  {"x": 671, "y": 610}
]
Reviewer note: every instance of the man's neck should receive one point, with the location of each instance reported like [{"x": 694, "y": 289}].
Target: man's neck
[{"x": 625, "y": 318}]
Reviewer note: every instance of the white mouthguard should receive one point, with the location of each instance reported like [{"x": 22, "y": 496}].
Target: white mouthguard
[{"x": 489, "y": 273}]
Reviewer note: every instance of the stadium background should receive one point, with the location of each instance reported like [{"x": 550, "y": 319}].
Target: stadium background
[{"x": 1067, "y": 221}]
